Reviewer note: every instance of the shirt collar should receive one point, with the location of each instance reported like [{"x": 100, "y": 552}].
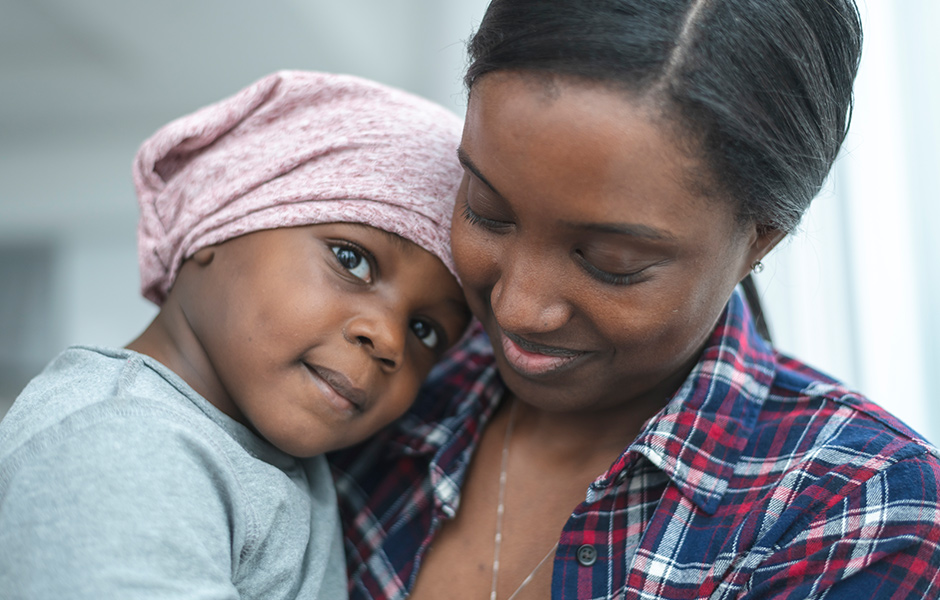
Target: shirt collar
[{"x": 698, "y": 437}]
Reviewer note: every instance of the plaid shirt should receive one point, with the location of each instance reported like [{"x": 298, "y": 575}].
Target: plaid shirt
[{"x": 760, "y": 479}]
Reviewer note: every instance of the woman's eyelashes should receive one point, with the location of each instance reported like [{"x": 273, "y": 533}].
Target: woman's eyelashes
[
  {"x": 497, "y": 221},
  {"x": 479, "y": 221},
  {"x": 355, "y": 259},
  {"x": 607, "y": 276}
]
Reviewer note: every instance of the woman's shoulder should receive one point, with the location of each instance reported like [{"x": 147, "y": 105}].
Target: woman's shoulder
[
  {"x": 827, "y": 439},
  {"x": 843, "y": 486},
  {"x": 831, "y": 410}
]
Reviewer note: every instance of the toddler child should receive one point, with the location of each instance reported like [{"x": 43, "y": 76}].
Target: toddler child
[{"x": 296, "y": 239}]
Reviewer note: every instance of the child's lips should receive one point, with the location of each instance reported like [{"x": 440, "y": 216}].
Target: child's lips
[
  {"x": 532, "y": 359},
  {"x": 339, "y": 389}
]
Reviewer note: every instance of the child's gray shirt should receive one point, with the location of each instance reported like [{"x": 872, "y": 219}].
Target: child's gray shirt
[{"x": 117, "y": 480}]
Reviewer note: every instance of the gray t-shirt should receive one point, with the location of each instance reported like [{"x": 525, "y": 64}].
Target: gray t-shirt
[{"x": 117, "y": 480}]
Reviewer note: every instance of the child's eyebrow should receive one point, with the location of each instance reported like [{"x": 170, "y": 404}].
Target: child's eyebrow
[
  {"x": 459, "y": 305},
  {"x": 399, "y": 241}
]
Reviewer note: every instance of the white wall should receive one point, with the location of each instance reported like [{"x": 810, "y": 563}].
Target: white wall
[{"x": 855, "y": 292}]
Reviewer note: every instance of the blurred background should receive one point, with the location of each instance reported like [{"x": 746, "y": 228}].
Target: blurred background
[{"x": 84, "y": 82}]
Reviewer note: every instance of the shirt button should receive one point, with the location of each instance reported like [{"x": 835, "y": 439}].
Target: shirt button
[{"x": 587, "y": 555}]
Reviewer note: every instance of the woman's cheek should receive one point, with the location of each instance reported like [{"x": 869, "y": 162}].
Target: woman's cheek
[{"x": 475, "y": 254}]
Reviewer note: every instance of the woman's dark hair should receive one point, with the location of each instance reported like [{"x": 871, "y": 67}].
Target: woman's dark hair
[{"x": 763, "y": 88}]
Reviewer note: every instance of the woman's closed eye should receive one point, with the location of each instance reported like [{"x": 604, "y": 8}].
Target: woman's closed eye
[
  {"x": 487, "y": 212},
  {"x": 612, "y": 278},
  {"x": 481, "y": 221},
  {"x": 354, "y": 259}
]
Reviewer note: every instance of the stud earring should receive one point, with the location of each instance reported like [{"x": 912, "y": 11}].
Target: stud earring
[{"x": 757, "y": 267}]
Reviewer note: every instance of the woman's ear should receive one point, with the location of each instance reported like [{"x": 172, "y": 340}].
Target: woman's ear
[
  {"x": 764, "y": 239},
  {"x": 767, "y": 240}
]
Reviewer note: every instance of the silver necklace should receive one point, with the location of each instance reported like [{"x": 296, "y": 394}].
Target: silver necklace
[{"x": 500, "y": 509}]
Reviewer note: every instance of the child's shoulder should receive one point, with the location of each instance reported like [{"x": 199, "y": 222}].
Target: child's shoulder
[
  {"x": 87, "y": 423},
  {"x": 84, "y": 387},
  {"x": 107, "y": 463},
  {"x": 92, "y": 403},
  {"x": 92, "y": 407}
]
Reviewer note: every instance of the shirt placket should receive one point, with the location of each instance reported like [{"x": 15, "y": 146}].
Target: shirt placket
[{"x": 602, "y": 535}]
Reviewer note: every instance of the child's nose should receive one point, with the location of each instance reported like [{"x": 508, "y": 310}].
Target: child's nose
[{"x": 380, "y": 337}]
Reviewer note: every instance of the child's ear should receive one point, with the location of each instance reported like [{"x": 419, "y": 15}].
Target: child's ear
[{"x": 204, "y": 256}]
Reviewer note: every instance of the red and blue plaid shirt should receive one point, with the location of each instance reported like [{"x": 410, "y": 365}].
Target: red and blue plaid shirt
[{"x": 762, "y": 478}]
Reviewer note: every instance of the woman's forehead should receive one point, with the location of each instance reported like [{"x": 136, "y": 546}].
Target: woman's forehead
[{"x": 598, "y": 149}]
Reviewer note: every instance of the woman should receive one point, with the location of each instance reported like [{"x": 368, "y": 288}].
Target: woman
[{"x": 615, "y": 427}]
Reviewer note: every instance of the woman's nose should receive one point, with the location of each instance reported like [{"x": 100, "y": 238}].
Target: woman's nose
[
  {"x": 379, "y": 333},
  {"x": 528, "y": 297}
]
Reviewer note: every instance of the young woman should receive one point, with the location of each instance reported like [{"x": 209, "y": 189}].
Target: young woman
[{"x": 615, "y": 427}]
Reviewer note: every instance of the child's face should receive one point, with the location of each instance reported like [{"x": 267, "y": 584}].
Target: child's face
[{"x": 317, "y": 336}]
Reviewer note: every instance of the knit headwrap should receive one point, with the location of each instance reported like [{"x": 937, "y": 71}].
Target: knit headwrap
[{"x": 295, "y": 148}]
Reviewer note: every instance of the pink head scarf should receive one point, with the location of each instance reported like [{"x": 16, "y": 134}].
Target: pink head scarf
[{"x": 295, "y": 148}]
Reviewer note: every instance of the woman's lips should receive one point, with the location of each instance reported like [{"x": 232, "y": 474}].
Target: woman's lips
[
  {"x": 531, "y": 359},
  {"x": 338, "y": 389}
]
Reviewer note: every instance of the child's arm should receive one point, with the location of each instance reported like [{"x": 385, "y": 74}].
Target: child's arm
[{"x": 119, "y": 508}]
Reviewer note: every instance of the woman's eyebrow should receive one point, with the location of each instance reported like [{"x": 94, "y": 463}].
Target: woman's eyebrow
[
  {"x": 629, "y": 229},
  {"x": 468, "y": 164}
]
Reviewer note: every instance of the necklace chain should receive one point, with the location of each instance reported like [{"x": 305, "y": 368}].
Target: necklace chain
[{"x": 501, "y": 508}]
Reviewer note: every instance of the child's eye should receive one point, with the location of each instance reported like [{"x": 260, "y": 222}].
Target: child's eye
[
  {"x": 353, "y": 261},
  {"x": 426, "y": 333}
]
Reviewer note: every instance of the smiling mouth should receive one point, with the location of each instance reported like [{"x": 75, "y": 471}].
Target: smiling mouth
[
  {"x": 338, "y": 389},
  {"x": 531, "y": 359}
]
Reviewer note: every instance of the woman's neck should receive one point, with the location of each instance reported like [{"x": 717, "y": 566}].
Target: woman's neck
[{"x": 579, "y": 437}]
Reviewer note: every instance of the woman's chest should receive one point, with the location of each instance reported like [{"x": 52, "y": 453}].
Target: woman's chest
[{"x": 504, "y": 540}]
